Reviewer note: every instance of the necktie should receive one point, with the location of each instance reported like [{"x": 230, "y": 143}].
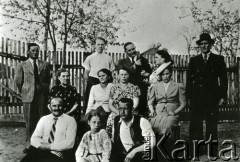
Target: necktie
[
  {"x": 36, "y": 76},
  {"x": 132, "y": 60},
  {"x": 53, "y": 130},
  {"x": 205, "y": 58}
]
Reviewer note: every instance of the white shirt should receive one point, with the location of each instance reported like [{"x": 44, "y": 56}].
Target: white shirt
[
  {"x": 203, "y": 55},
  {"x": 64, "y": 137},
  {"x": 99, "y": 97},
  {"x": 125, "y": 135},
  {"x": 31, "y": 60},
  {"x": 96, "y": 62}
]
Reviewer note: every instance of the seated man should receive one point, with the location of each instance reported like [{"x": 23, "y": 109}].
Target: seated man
[
  {"x": 129, "y": 134},
  {"x": 54, "y": 136}
]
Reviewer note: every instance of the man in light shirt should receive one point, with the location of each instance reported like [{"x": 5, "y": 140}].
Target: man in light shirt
[
  {"x": 95, "y": 62},
  {"x": 32, "y": 78},
  {"x": 129, "y": 134},
  {"x": 54, "y": 136}
]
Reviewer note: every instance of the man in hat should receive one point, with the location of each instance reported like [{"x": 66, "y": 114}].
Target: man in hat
[{"x": 206, "y": 89}]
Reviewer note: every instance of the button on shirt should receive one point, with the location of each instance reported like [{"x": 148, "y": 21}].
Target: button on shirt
[
  {"x": 64, "y": 137},
  {"x": 125, "y": 135},
  {"x": 96, "y": 62}
]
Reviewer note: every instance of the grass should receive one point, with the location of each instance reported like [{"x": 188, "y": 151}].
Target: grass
[{"x": 12, "y": 140}]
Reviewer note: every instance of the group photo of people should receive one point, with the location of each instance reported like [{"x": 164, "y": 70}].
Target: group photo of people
[
  {"x": 119, "y": 81},
  {"x": 117, "y": 118}
]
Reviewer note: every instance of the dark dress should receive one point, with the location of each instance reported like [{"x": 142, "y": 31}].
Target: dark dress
[{"x": 70, "y": 97}]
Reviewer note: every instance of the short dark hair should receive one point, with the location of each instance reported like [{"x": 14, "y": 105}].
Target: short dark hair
[
  {"x": 29, "y": 45},
  {"x": 128, "y": 101},
  {"x": 164, "y": 54},
  {"x": 126, "y": 44},
  {"x": 125, "y": 69},
  {"x": 100, "y": 38},
  {"x": 61, "y": 70},
  {"x": 53, "y": 97},
  {"x": 93, "y": 113},
  {"x": 108, "y": 72}
]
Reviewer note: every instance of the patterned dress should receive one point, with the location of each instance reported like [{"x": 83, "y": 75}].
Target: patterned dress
[
  {"x": 116, "y": 93},
  {"x": 69, "y": 96},
  {"x": 94, "y": 147}
]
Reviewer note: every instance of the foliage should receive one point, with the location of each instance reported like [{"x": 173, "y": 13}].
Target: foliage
[
  {"x": 217, "y": 17},
  {"x": 68, "y": 22}
]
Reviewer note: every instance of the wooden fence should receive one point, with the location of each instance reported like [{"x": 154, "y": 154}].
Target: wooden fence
[{"x": 12, "y": 52}]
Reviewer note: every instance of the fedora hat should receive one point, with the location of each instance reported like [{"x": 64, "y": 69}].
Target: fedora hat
[{"x": 205, "y": 36}]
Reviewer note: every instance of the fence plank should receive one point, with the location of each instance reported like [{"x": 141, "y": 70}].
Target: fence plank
[{"x": 73, "y": 62}]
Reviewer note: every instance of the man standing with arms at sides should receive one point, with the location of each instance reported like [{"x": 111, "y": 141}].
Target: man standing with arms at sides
[
  {"x": 95, "y": 62},
  {"x": 54, "y": 136},
  {"x": 206, "y": 89},
  {"x": 139, "y": 71},
  {"x": 32, "y": 78}
]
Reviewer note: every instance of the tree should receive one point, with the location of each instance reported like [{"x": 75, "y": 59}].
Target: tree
[
  {"x": 220, "y": 18},
  {"x": 68, "y": 22}
]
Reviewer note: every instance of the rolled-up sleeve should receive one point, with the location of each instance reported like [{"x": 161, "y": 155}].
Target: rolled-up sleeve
[
  {"x": 37, "y": 137},
  {"x": 147, "y": 131}
]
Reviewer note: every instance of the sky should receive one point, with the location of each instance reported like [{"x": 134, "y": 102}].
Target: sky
[
  {"x": 149, "y": 21},
  {"x": 155, "y": 21}
]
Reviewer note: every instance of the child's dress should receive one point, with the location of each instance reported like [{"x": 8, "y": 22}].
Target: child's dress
[{"x": 94, "y": 147}]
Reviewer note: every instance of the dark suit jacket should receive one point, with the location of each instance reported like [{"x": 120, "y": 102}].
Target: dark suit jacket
[
  {"x": 206, "y": 82},
  {"x": 135, "y": 74},
  {"x": 24, "y": 79}
]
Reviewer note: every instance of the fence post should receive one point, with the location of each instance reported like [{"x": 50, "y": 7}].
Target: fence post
[{"x": 238, "y": 75}]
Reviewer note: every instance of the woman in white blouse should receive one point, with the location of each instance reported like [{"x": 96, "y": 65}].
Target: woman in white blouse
[{"x": 99, "y": 94}]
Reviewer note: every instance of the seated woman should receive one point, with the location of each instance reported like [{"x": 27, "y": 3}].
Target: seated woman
[
  {"x": 170, "y": 99},
  {"x": 67, "y": 93},
  {"x": 123, "y": 89},
  {"x": 162, "y": 59},
  {"x": 99, "y": 95},
  {"x": 98, "y": 100}
]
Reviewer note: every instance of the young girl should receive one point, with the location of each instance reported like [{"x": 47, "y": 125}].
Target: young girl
[{"x": 96, "y": 144}]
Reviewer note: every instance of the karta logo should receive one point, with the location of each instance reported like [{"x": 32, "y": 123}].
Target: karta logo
[{"x": 182, "y": 152}]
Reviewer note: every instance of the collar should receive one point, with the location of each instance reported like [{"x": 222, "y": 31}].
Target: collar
[
  {"x": 99, "y": 53},
  {"x": 33, "y": 60},
  {"x": 131, "y": 59},
  {"x": 130, "y": 123},
  {"x": 57, "y": 117},
  {"x": 208, "y": 54},
  {"x": 63, "y": 86},
  {"x": 165, "y": 84}
]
